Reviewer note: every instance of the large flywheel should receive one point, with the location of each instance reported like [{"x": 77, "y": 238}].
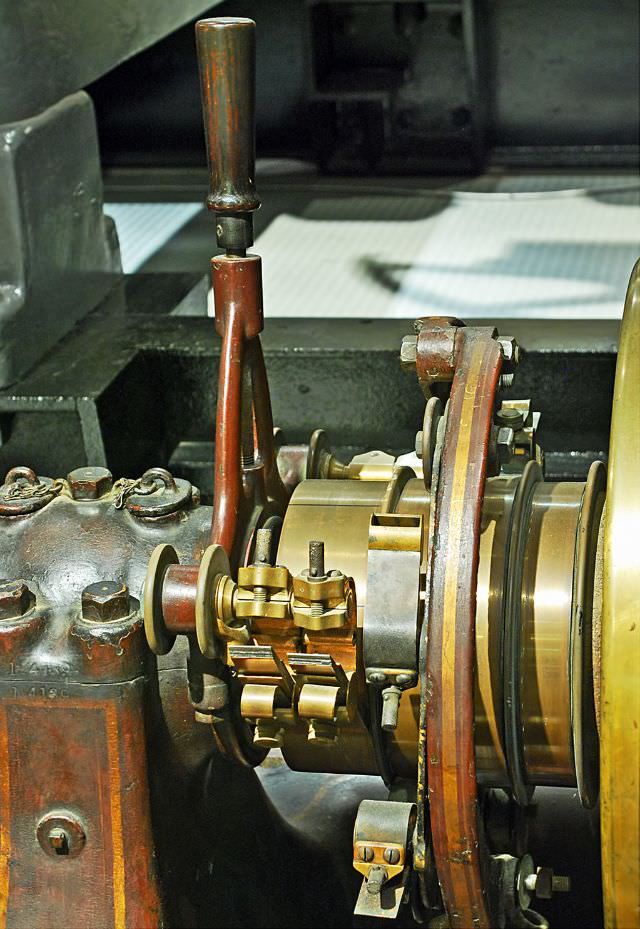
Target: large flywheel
[{"x": 620, "y": 698}]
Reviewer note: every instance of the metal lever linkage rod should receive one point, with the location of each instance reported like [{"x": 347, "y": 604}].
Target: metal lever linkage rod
[{"x": 226, "y": 54}]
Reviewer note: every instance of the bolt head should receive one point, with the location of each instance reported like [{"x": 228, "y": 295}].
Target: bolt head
[
  {"x": 419, "y": 436},
  {"x": 409, "y": 352},
  {"x": 510, "y": 353},
  {"x": 15, "y": 599},
  {"x": 89, "y": 483},
  {"x": 376, "y": 677},
  {"x": 365, "y": 853},
  {"x": 391, "y": 855},
  {"x": 105, "y": 602},
  {"x": 504, "y": 442}
]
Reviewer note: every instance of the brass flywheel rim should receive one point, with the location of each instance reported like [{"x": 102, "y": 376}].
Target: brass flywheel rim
[{"x": 620, "y": 706}]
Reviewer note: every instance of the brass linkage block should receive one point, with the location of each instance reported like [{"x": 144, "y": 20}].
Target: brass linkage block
[
  {"x": 321, "y": 603},
  {"x": 263, "y": 592}
]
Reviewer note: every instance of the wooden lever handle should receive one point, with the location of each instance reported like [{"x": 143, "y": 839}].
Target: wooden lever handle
[{"x": 227, "y": 60}]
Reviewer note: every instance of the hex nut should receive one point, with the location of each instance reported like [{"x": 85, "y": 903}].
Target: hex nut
[
  {"x": 408, "y": 352},
  {"x": 544, "y": 883},
  {"x": 105, "y": 602},
  {"x": 89, "y": 483},
  {"x": 376, "y": 879},
  {"x": 15, "y": 599},
  {"x": 504, "y": 442},
  {"x": 510, "y": 353}
]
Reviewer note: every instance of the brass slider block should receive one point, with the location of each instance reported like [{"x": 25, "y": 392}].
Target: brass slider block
[
  {"x": 323, "y": 688},
  {"x": 268, "y": 687}
]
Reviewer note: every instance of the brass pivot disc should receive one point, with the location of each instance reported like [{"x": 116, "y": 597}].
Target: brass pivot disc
[
  {"x": 159, "y": 639},
  {"x": 214, "y": 564}
]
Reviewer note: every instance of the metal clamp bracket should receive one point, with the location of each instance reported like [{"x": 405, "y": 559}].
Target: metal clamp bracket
[{"x": 382, "y": 849}]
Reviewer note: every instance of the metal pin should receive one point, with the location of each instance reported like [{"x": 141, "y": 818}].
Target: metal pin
[{"x": 316, "y": 558}]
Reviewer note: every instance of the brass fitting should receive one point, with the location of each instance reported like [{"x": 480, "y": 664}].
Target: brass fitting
[
  {"x": 321, "y": 603},
  {"x": 322, "y": 600},
  {"x": 263, "y": 592}
]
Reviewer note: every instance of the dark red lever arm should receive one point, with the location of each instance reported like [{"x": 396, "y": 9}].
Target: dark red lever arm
[{"x": 226, "y": 53}]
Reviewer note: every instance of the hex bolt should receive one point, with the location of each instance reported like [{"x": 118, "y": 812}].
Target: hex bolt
[
  {"x": 376, "y": 677},
  {"x": 544, "y": 883},
  {"x": 376, "y": 879},
  {"x": 268, "y": 733},
  {"x": 504, "y": 442},
  {"x": 316, "y": 558},
  {"x": 418, "y": 447},
  {"x": 15, "y": 599},
  {"x": 390, "y": 706},
  {"x": 408, "y": 352},
  {"x": 510, "y": 353},
  {"x": 365, "y": 853},
  {"x": 105, "y": 602},
  {"x": 391, "y": 855},
  {"x": 509, "y": 416},
  {"x": 89, "y": 483},
  {"x": 321, "y": 732}
]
